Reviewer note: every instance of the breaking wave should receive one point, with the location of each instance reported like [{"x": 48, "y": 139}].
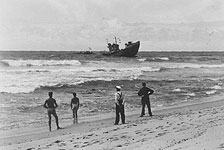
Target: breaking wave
[
  {"x": 161, "y": 58},
  {"x": 30, "y": 62},
  {"x": 210, "y": 92},
  {"x": 203, "y": 66},
  {"x": 154, "y": 59},
  {"x": 189, "y": 65},
  {"x": 96, "y": 70}
]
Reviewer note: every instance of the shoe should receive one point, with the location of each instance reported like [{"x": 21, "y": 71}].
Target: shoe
[
  {"x": 59, "y": 128},
  {"x": 141, "y": 116},
  {"x": 116, "y": 124}
]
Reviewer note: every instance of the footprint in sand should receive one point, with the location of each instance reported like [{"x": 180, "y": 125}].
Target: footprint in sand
[
  {"x": 160, "y": 134},
  {"x": 221, "y": 146},
  {"x": 76, "y": 146},
  {"x": 113, "y": 139},
  {"x": 49, "y": 145},
  {"x": 94, "y": 142},
  {"x": 143, "y": 140},
  {"x": 138, "y": 131},
  {"x": 143, "y": 134},
  {"x": 161, "y": 127},
  {"x": 85, "y": 137},
  {"x": 180, "y": 123},
  {"x": 115, "y": 129},
  {"x": 61, "y": 144},
  {"x": 119, "y": 145},
  {"x": 124, "y": 136},
  {"x": 58, "y": 141},
  {"x": 91, "y": 134},
  {"x": 86, "y": 144},
  {"x": 126, "y": 144},
  {"x": 124, "y": 133}
]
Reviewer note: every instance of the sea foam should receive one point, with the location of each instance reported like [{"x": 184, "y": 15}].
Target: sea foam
[
  {"x": 176, "y": 90},
  {"x": 29, "y": 62},
  {"x": 217, "y": 87},
  {"x": 210, "y": 92}
]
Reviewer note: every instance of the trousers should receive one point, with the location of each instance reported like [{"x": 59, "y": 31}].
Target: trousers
[
  {"x": 120, "y": 111},
  {"x": 149, "y": 108}
]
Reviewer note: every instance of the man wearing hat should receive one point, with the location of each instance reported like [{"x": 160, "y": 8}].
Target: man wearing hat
[
  {"x": 51, "y": 104},
  {"x": 119, "y": 102}
]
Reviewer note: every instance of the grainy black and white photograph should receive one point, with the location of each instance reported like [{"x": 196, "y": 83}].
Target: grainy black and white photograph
[{"x": 111, "y": 74}]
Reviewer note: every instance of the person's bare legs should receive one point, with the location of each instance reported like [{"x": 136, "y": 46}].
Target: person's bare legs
[
  {"x": 49, "y": 122},
  {"x": 76, "y": 116},
  {"x": 56, "y": 120},
  {"x": 73, "y": 111}
]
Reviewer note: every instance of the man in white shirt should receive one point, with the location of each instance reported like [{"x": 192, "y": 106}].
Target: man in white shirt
[{"x": 119, "y": 102}]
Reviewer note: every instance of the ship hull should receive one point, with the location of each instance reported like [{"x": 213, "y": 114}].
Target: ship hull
[{"x": 129, "y": 51}]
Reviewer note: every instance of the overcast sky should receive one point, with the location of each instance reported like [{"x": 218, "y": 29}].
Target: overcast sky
[{"x": 79, "y": 24}]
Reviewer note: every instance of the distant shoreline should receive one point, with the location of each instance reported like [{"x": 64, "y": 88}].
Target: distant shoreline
[{"x": 97, "y": 51}]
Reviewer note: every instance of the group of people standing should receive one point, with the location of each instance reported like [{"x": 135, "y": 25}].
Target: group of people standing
[
  {"x": 51, "y": 105},
  {"x": 144, "y": 92}
]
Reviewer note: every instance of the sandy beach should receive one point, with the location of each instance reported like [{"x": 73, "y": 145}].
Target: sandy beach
[
  {"x": 190, "y": 126},
  {"x": 89, "y": 47}
]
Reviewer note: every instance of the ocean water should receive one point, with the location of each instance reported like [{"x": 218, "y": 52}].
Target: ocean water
[{"x": 26, "y": 78}]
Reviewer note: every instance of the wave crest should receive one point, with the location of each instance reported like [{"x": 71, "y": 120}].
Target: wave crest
[
  {"x": 30, "y": 62},
  {"x": 154, "y": 59},
  {"x": 4, "y": 64}
]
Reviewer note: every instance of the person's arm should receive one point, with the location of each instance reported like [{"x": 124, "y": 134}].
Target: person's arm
[
  {"x": 56, "y": 105},
  {"x": 140, "y": 92},
  {"x": 71, "y": 103},
  {"x": 150, "y": 91},
  {"x": 116, "y": 99},
  {"x": 45, "y": 104},
  {"x": 123, "y": 99},
  {"x": 78, "y": 103}
]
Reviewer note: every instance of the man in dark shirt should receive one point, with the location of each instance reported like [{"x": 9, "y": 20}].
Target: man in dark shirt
[
  {"x": 144, "y": 92},
  {"x": 51, "y": 104}
]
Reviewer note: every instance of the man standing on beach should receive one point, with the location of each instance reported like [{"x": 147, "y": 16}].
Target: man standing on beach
[
  {"x": 144, "y": 92},
  {"x": 51, "y": 105},
  {"x": 119, "y": 102},
  {"x": 75, "y": 107}
]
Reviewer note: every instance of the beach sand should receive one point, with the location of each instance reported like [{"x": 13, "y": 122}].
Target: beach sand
[{"x": 190, "y": 127}]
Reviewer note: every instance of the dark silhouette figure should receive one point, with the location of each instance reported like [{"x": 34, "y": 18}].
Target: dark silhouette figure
[
  {"x": 119, "y": 102},
  {"x": 51, "y": 105},
  {"x": 75, "y": 107},
  {"x": 144, "y": 92}
]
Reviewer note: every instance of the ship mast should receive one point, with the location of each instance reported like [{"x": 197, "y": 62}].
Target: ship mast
[{"x": 115, "y": 40}]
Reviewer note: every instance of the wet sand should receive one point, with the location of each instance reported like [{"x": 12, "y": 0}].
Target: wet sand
[{"x": 189, "y": 126}]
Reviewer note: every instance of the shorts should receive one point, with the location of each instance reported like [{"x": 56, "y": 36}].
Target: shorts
[
  {"x": 74, "y": 107},
  {"x": 51, "y": 111}
]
